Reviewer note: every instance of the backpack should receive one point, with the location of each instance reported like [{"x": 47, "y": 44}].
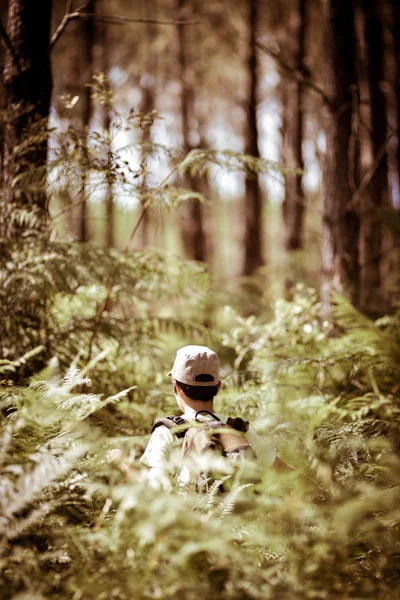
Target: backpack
[{"x": 213, "y": 438}]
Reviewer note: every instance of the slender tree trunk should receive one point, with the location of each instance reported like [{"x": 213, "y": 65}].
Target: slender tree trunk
[
  {"x": 293, "y": 125},
  {"x": 204, "y": 188},
  {"x": 341, "y": 223},
  {"x": 147, "y": 105},
  {"x": 109, "y": 199},
  {"x": 394, "y": 257},
  {"x": 252, "y": 213},
  {"x": 3, "y": 18},
  {"x": 377, "y": 198},
  {"x": 101, "y": 63},
  {"x": 86, "y": 104},
  {"x": 193, "y": 235},
  {"x": 396, "y": 42},
  {"x": 27, "y": 87}
]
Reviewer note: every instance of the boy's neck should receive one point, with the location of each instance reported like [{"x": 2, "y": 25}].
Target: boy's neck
[{"x": 191, "y": 407}]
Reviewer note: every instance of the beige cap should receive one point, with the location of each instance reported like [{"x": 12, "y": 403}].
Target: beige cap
[{"x": 196, "y": 365}]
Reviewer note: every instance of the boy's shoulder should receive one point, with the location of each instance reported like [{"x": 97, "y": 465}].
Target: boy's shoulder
[
  {"x": 175, "y": 421},
  {"x": 170, "y": 422}
]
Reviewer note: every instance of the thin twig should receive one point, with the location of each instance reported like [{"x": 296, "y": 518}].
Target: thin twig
[
  {"x": 110, "y": 19},
  {"x": 295, "y": 197},
  {"x": 295, "y": 73},
  {"x": 369, "y": 174},
  {"x": 69, "y": 16},
  {"x": 147, "y": 204},
  {"x": 9, "y": 46},
  {"x": 354, "y": 141},
  {"x": 115, "y": 20},
  {"x": 379, "y": 255}
]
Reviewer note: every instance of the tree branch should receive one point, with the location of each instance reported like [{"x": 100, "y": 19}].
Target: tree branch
[
  {"x": 365, "y": 181},
  {"x": 69, "y": 16},
  {"x": 380, "y": 255},
  {"x": 9, "y": 46},
  {"x": 295, "y": 73},
  {"x": 110, "y": 19},
  {"x": 115, "y": 20},
  {"x": 147, "y": 204}
]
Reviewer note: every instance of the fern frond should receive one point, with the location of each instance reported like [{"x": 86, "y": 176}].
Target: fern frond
[
  {"x": 18, "y": 527},
  {"x": 10, "y": 366},
  {"x": 31, "y": 484},
  {"x": 197, "y": 162},
  {"x": 213, "y": 490},
  {"x": 229, "y": 505}
]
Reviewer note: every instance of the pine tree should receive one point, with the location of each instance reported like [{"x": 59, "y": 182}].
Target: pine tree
[
  {"x": 252, "y": 202},
  {"x": 376, "y": 200},
  {"x": 88, "y": 33},
  {"x": 192, "y": 227},
  {"x": 293, "y": 94},
  {"x": 28, "y": 87},
  {"x": 341, "y": 222}
]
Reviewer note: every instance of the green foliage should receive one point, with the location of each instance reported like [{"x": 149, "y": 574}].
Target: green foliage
[{"x": 82, "y": 519}]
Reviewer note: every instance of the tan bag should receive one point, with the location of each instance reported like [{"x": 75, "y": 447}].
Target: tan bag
[{"x": 211, "y": 436}]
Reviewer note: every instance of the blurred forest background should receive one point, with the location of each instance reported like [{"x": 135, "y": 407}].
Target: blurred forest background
[
  {"x": 217, "y": 172},
  {"x": 311, "y": 90}
]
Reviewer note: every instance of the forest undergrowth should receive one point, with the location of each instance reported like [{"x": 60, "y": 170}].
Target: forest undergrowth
[{"x": 81, "y": 520}]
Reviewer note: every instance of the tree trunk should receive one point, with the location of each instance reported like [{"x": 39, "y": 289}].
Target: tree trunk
[
  {"x": 377, "y": 197},
  {"x": 253, "y": 213},
  {"x": 23, "y": 202},
  {"x": 193, "y": 235},
  {"x": 102, "y": 64},
  {"x": 86, "y": 106},
  {"x": 27, "y": 86},
  {"x": 109, "y": 199},
  {"x": 341, "y": 223},
  {"x": 396, "y": 42},
  {"x": 147, "y": 105},
  {"x": 3, "y": 18},
  {"x": 293, "y": 125},
  {"x": 393, "y": 263}
]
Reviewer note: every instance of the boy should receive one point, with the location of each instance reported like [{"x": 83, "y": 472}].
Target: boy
[{"x": 195, "y": 377}]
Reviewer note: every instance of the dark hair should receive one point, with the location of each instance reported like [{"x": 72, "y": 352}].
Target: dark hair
[{"x": 204, "y": 393}]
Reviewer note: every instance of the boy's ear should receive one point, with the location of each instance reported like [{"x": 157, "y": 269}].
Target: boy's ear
[
  {"x": 219, "y": 386},
  {"x": 177, "y": 389}
]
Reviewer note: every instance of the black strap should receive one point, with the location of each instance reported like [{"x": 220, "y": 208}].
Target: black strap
[
  {"x": 207, "y": 412},
  {"x": 171, "y": 422},
  {"x": 175, "y": 420}
]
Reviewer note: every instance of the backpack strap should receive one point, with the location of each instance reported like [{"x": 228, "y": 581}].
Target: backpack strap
[
  {"x": 236, "y": 423},
  {"x": 215, "y": 423},
  {"x": 171, "y": 422}
]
